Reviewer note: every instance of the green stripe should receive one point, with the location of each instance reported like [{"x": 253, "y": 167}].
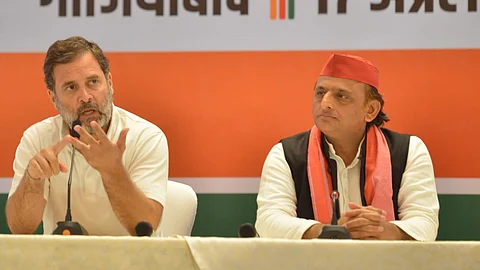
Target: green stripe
[
  {"x": 221, "y": 214},
  {"x": 291, "y": 9},
  {"x": 458, "y": 218}
]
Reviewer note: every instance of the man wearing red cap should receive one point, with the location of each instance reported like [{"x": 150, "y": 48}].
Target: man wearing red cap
[{"x": 384, "y": 179}]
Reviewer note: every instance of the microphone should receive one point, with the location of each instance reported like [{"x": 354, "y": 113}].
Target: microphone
[
  {"x": 73, "y": 133},
  {"x": 247, "y": 230},
  {"x": 68, "y": 227},
  {"x": 334, "y": 231},
  {"x": 335, "y": 196},
  {"x": 143, "y": 228}
]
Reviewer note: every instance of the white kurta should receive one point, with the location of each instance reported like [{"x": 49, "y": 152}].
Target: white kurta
[
  {"x": 417, "y": 198},
  {"x": 145, "y": 159}
]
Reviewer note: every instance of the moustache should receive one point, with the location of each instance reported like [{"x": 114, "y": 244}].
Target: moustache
[
  {"x": 88, "y": 106},
  {"x": 326, "y": 114}
]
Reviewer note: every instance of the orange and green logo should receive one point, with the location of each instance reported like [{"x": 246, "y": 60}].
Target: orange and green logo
[{"x": 278, "y": 9}]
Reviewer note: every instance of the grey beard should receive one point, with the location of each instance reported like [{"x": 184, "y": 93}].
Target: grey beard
[{"x": 105, "y": 111}]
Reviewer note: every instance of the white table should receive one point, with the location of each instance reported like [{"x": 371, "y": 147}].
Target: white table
[{"x": 92, "y": 252}]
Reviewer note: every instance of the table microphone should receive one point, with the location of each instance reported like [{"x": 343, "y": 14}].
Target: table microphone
[
  {"x": 143, "y": 228},
  {"x": 334, "y": 231},
  {"x": 69, "y": 227},
  {"x": 247, "y": 230}
]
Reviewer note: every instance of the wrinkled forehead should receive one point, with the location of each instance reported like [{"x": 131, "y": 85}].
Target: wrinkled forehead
[{"x": 81, "y": 68}]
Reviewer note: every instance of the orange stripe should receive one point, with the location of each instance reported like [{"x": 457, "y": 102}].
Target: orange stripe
[
  {"x": 282, "y": 9},
  {"x": 273, "y": 9},
  {"x": 222, "y": 112}
]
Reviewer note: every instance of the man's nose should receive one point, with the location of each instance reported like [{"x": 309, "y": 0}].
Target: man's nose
[
  {"x": 84, "y": 95},
  {"x": 327, "y": 101}
]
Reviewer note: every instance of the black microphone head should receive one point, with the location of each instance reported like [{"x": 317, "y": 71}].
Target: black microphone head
[
  {"x": 73, "y": 132},
  {"x": 247, "y": 230},
  {"x": 144, "y": 228},
  {"x": 335, "y": 195}
]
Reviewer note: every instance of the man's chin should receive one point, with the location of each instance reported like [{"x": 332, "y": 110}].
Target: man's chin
[
  {"x": 86, "y": 121},
  {"x": 325, "y": 127}
]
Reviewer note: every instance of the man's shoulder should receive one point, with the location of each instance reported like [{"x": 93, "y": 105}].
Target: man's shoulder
[
  {"x": 47, "y": 126},
  {"x": 390, "y": 132},
  {"x": 299, "y": 137},
  {"x": 295, "y": 147},
  {"x": 395, "y": 138}
]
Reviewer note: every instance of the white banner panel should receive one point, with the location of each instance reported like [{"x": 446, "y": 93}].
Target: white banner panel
[
  {"x": 250, "y": 185},
  {"x": 226, "y": 25}
]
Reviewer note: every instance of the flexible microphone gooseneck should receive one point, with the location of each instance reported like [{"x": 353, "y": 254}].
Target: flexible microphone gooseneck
[{"x": 68, "y": 227}]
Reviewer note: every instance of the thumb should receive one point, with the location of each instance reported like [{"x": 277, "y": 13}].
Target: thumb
[
  {"x": 353, "y": 206},
  {"x": 63, "y": 167},
  {"x": 61, "y": 144}
]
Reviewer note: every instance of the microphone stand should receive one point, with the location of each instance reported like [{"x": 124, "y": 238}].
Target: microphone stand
[
  {"x": 334, "y": 231},
  {"x": 69, "y": 227}
]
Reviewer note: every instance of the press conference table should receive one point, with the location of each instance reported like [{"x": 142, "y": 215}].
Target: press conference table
[{"x": 92, "y": 252}]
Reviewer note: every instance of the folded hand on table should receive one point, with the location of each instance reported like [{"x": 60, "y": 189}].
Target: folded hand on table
[{"x": 369, "y": 223}]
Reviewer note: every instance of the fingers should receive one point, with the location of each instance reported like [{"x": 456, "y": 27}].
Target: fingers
[
  {"x": 373, "y": 209},
  {"x": 342, "y": 221},
  {"x": 122, "y": 139},
  {"x": 368, "y": 209},
  {"x": 364, "y": 234},
  {"x": 365, "y": 228},
  {"x": 369, "y": 238},
  {"x": 364, "y": 222},
  {"x": 34, "y": 170},
  {"x": 51, "y": 158},
  {"x": 84, "y": 135},
  {"x": 63, "y": 167},
  {"x": 43, "y": 165},
  {"x": 82, "y": 147},
  {"x": 101, "y": 136},
  {"x": 370, "y": 229},
  {"x": 360, "y": 222},
  {"x": 371, "y": 216},
  {"x": 353, "y": 213},
  {"x": 46, "y": 163},
  {"x": 61, "y": 144},
  {"x": 354, "y": 206}
]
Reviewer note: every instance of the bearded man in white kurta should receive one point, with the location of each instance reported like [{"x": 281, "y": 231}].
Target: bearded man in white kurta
[{"x": 119, "y": 177}]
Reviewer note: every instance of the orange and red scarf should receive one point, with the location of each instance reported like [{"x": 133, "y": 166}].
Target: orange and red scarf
[{"x": 378, "y": 175}]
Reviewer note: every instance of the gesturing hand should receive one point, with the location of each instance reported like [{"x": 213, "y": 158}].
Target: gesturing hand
[
  {"x": 46, "y": 164},
  {"x": 101, "y": 153}
]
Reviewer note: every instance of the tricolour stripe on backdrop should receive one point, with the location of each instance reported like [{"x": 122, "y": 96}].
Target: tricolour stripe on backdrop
[
  {"x": 229, "y": 80},
  {"x": 249, "y": 185}
]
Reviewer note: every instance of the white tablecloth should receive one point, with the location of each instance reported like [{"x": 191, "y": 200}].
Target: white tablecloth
[
  {"x": 90, "y": 252},
  {"x": 215, "y": 253}
]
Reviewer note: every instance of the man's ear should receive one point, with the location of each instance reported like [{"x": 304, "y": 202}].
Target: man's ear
[
  {"x": 51, "y": 95},
  {"x": 110, "y": 80},
  {"x": 372, "y": 110}
]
